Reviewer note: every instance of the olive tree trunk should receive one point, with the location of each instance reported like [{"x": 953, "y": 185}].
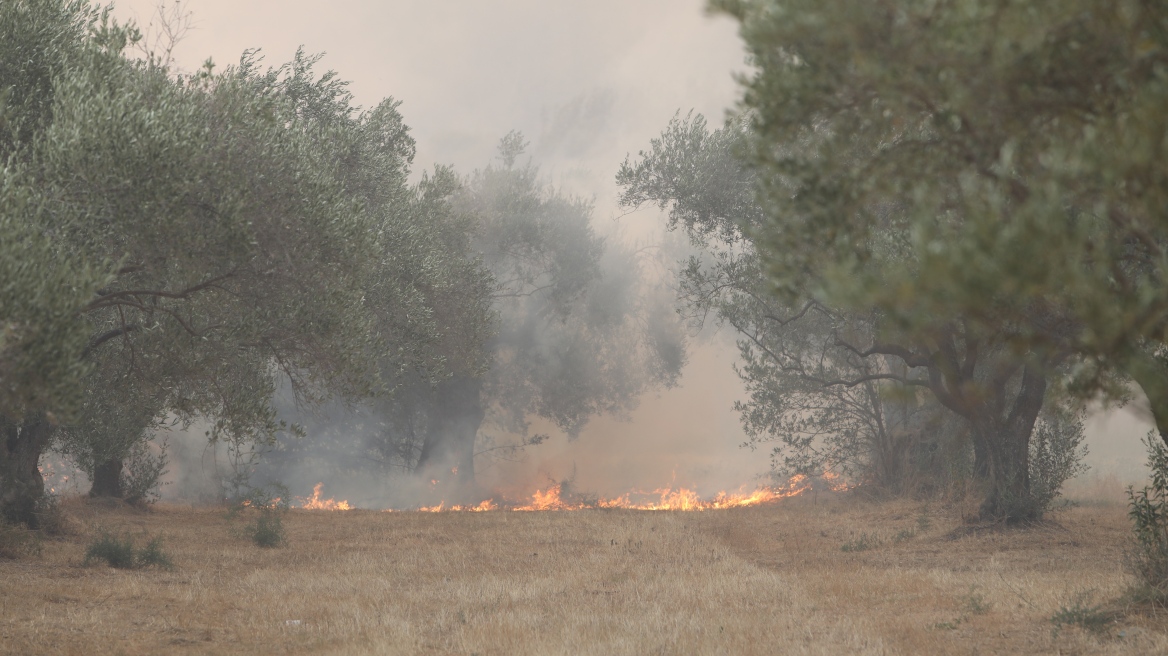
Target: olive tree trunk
[
  {"x": 1001, "y": 438},
  {"x": 21, "y": 485},
  {"x": 107, "y": 479},
  {"x": 449, "y": 443}
]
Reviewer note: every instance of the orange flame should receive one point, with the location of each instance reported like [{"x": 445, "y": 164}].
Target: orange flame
[
  {"x": 667, "y": 499},
  {"x": 489, "y": 504},
  {"x": 316, "y": 503},
  {"x": 555, "y": 499}
]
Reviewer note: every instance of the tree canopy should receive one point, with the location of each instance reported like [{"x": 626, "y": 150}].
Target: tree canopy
[
  {"x": 181, "y": 243},
  {"x": 1016, "y": 148}
]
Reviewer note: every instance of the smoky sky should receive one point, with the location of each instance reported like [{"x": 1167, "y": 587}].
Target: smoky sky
[{"x": 586, "y": 82}]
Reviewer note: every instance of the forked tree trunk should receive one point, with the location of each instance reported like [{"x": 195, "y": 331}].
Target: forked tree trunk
[{"x": 21, "y": 484}]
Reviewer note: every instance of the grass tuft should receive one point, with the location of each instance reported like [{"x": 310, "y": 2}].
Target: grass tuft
[{"x": 120, "y": 553}]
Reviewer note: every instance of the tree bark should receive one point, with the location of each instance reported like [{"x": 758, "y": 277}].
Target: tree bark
[
  {"x": 976, "y": 387},
  {"x": 107, "y": 480},
  {"x": 454, "y": 425},
  {"x": 1002, "y": 449},
  {"x": 21, "y": 484}
]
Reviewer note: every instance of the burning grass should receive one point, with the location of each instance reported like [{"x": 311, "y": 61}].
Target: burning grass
[
  {"x": 766, "y": 579},
  {"x": 556, "y": 498}
]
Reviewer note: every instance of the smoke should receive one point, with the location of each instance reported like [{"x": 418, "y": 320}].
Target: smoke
[
  {"x": 589, "y": 83},
  {"x": 688, "y": 435}
]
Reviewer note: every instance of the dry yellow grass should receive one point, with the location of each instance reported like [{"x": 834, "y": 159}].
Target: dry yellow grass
[{"x": 771, "y": 580}]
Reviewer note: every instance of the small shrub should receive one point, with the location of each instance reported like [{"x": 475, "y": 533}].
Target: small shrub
[
  {"x": 1056, "y": 453},
  {"x": 1082, "y": 613},
  {"x": 116, "y": 552},
  {"x": 1148, "y": 510},
  {"x": 119, "y": 552},
  {"x": 268, "y": 503},
  {"x": 17, "y": 542},
  {"x": 268, "y": 529},
  {"x": 152, "y": 555},
  {"x": 143, "y": 471}
]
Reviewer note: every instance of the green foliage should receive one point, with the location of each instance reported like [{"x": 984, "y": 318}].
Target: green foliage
[
  {"x": 1001, "y": 162},
  {"x": 176, "y": 247},
  {"x": 828, "y": 406},
  {"x": 120, "y": 552},
  {"x": 839, "y": 384},
  {"x": 267, "y": 506},
  {"x": 152, "y": 555},
  {"x": 1056, "y": 452},
  {"x": 1148, "y": 510},
  {"x": 143, "y": 471},
  {"x": 41, "y": 293}
]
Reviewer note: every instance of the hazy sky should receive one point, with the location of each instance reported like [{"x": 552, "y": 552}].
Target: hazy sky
[{"x": 586, "y": 82}]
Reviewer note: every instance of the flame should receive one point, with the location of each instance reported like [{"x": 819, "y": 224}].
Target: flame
[
  {"x": 835, "y": 482},
  {"x": 489, "y": 504},
  {"x": 316, "y": 503},
  {"x": 555, "y": 498},
  {"x": 666, "y": 499}
]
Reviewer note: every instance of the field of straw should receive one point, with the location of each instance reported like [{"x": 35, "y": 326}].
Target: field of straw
[{"x": 806, "y": 576}]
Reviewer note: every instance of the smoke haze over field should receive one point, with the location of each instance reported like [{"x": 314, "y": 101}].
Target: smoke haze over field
[{"x": 586, "y": 83}]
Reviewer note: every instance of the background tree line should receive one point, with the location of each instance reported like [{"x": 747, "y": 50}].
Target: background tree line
[{"x": 180, "y": 247}]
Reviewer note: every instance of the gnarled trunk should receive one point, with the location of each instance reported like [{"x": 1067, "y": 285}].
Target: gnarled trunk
[
  {"x": 21, "y": 485},
  {"x": 1001, "y": 436}
]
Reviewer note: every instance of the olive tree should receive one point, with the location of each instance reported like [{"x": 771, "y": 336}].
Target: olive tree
[
  {"x": 1019, "y": 147},
  {"x": 842, "y": 386},
  {"x": 233, "y": 223}
]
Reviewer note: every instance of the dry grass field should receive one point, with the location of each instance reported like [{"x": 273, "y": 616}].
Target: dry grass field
[{"x": 806, "y": 576}]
